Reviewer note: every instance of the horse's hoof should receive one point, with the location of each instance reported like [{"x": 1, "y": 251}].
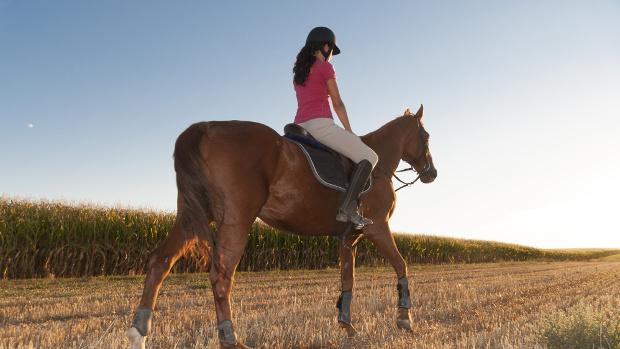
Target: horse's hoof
[
  {"x": 403, "y": 321},
  {"x": 404, "y": 324},
  {"x": 136, "y": 340},
  {"x": 351, "y": 331},
  {"x": 239, "y": 345}
]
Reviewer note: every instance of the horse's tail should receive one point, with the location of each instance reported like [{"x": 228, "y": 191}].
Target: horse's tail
[{"x": 194, "y": 211}]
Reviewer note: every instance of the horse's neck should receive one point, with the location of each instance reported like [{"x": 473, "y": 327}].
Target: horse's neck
[{"x": 388, "y": 142}]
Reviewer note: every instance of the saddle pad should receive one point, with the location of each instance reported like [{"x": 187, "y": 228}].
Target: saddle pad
[{"x": 327, "y": 166}]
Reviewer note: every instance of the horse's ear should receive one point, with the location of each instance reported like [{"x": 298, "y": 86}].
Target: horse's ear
[
  {"x": 420, "y": 112},
  {"x": 408, "y": 112}
]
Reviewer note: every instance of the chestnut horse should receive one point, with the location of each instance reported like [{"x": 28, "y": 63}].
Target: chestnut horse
[{"x": 231, "y": 172}]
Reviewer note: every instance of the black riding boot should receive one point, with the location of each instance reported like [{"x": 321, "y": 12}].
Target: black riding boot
[{"x": 348, "y": 208}]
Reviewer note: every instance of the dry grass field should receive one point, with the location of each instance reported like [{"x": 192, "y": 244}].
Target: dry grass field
[{"x": 502, "y": 305}]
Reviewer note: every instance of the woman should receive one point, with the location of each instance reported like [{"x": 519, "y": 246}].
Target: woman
[{"x": 315, "y": 83}]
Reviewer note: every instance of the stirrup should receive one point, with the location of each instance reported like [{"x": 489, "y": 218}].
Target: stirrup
[
  {"x": 358, "y": 221},
  {"x": 361, "y": 222}
]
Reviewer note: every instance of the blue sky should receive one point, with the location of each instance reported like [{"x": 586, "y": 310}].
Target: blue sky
[{"x": 521, "y": 101}]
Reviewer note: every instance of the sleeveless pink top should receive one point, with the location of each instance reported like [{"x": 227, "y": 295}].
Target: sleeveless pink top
[{"x": 312, "y": 97}]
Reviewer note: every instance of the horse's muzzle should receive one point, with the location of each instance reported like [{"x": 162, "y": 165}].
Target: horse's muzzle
[{"x": 429, "y": 176}]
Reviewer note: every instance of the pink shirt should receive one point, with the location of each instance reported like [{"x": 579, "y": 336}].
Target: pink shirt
[{"x": 312, "y": 97}]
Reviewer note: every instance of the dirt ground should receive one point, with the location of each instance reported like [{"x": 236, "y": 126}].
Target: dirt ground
[{"x": 454, "y": 306}]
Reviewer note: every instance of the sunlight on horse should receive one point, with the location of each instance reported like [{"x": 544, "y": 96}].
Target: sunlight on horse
[{"x": 231, "y": 172}]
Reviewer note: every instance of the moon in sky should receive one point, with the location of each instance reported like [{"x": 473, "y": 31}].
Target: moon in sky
[{"x": 30, "y": 125}]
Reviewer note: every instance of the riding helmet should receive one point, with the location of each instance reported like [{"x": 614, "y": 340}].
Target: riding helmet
[{"x": 324, "y": 35}]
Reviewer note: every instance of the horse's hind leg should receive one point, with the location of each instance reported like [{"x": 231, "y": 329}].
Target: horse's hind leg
[
  {"x": 231, "y": 242},
  {"x": 159, "y": 264}
]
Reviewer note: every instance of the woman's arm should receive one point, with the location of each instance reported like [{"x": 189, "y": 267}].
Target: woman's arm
[{"x": 339, "y": 108}]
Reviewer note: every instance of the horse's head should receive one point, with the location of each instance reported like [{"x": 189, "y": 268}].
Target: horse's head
[{"x": 416, "y": 151}]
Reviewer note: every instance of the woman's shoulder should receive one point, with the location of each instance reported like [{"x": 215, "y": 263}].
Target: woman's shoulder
[
  {"x": 323, "y": 64},
  {"x": 326, "y": 68}
]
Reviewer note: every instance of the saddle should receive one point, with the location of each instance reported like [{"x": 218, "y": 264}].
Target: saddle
[{"x": 329, "y": 167}]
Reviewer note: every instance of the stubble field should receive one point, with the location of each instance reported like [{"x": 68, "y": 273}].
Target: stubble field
[{"x": 502, "y": 305}]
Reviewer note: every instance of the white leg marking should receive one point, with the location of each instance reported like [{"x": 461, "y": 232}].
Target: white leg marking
[{"x": 136, "y": 340}]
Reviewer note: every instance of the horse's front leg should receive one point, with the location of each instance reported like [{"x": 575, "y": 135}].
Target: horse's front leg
[
  {"x": 381, "y": 236},
  {"x": 347, "y": 251}
]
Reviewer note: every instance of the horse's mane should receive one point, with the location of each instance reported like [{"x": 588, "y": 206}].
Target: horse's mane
[{"x": 387, "y": 125}]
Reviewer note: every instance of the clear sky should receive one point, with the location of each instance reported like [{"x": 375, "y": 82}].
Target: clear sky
[{"x": 521, "y": 100}]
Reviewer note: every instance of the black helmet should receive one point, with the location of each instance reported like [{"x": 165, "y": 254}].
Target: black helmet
[{"x": 323, "y": 35}]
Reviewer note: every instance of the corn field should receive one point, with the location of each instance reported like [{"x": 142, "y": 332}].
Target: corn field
[{"x": 44, "y": 239}]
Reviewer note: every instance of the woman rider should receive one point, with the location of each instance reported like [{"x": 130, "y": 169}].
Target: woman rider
[{"x": 315, "y": 83}]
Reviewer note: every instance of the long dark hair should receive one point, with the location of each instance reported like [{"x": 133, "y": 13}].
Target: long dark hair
[{"x": 305, "y": 59}]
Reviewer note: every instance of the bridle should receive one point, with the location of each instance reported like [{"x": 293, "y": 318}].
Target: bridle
[{"x": 427, "y": 168}]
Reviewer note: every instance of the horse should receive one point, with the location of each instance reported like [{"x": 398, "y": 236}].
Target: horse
[{"x": 228, "y": 173}]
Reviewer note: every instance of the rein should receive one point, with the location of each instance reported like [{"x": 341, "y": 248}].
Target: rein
[{"x": 405, "y": 184}]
